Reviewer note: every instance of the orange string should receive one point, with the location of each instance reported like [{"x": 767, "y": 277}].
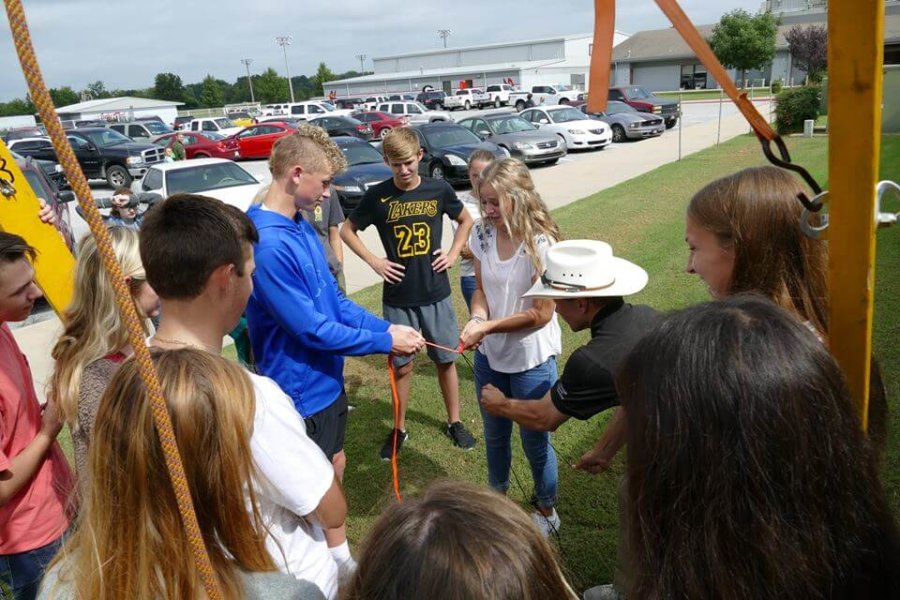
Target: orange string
[{"x": 395, "y": 401}]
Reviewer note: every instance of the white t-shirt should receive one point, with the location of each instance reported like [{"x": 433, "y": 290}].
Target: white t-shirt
[
  {"x": 504, "y": 282},
  {"x": 294, "y": 475},
  {"x": 470, "y": 203}
]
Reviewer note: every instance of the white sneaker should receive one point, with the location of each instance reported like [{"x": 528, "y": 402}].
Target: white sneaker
[
  {"x": 603, "y": 592},
  {"x": 547, "y": 525}
]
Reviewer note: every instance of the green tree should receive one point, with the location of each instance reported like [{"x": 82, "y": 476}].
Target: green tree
[
  {"x": 809, "y": 50},
  {"x": 211, "y": 94},
  {"x": 64, "y": 96},
  {"x": 97, "y": 89},
  {"x": 17, "y": 106},
  {"x": 323, "y": 74},
  {"x": 168, "y": 86},
  {"x": 270, "y": 87},
  {"x": 745, "y": 42}
]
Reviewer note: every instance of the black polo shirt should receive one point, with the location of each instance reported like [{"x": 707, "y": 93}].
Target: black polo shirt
[{"x": 587, "y": 385}]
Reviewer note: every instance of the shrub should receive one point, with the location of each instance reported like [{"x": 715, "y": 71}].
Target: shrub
[
  {"x": 776, "y": 87},
  {"x": 793, "y": 106}
]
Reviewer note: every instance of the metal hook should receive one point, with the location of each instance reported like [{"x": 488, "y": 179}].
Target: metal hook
[
  {"x": 784, "y": 162},
  {"x": 816, "y": 232},
  {"x": 7, "y": 189},
  {"x": 882, "y": 219}
]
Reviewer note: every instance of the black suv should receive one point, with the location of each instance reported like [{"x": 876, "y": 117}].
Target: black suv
[
  {"x": 106, "y": 154},
  {"x": 433, "y": 100}
]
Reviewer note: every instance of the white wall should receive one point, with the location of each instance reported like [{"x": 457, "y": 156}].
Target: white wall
[
  {"x": 167, "y": 114},
  {"x": 473, "y": 57},
  {"x": 17, "y": 121}
]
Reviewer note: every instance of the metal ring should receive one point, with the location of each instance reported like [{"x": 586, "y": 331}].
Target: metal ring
[{"x": 816, "y": 232}]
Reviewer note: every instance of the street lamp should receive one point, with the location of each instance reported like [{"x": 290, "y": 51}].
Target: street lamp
[
  {"x": 362, "y": 62},
  {"x": 445, "y": 33},
  {"x": 284, "y": 41},
  {"x": 246, "y": 62}
]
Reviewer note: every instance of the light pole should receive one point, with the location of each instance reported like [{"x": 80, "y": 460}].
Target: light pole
[
  {"x": 362, "y": 62},
  {"x": 445, "y": 33},
  {"x": 284, "y": 41},
  {"x": 246, "y": 62}
]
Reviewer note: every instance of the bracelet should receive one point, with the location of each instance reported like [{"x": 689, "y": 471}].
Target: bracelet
[{"x": 477, "y": 318}]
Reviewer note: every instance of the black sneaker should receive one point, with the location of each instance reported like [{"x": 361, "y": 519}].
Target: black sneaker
[
  {"x": 460, "y": 435},
  {"x": 388, "y": 449}
]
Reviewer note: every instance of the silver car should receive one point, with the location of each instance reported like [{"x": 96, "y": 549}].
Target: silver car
[
  {"x": 518, "y": 137},
  {"x": 626, "y": 122}
]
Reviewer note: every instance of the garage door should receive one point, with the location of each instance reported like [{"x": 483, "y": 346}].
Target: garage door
[{"x": 657, "y": 77}]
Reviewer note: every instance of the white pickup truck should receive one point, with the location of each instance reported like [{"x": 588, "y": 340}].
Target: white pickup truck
[
  {"x": 499, "y": 93},
  {"x": 217, "y": 124},
  {"x": 466, "y": 99},
  {"x": 547, "y": 95}
]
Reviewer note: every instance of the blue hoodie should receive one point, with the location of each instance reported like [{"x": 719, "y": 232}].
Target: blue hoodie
[{"x": 301, "y": 325}]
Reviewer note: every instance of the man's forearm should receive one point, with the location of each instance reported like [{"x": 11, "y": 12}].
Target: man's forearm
[
  {"x": 613, "y": 437},
  {"x": 537, "y": 415}
]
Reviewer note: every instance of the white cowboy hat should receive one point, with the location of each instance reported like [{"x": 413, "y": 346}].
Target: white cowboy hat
[{"x": 586, "y": 269}]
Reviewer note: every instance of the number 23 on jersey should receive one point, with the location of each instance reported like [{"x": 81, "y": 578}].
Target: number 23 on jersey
[{"x": 413, "y": 240}]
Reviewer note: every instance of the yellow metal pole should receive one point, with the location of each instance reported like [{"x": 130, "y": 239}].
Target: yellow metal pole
[
  {"x": 54, "y": 267},
  {"x": 855, "y": 47}
]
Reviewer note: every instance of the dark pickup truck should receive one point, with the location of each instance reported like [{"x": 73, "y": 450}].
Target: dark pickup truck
[
  {"x": 643, "y": 100},
  {"x": 106, "y": 154}
]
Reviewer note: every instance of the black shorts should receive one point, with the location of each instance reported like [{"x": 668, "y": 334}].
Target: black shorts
[{"x": 326, "y": 428}]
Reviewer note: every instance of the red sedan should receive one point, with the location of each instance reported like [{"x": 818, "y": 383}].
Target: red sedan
[
  {"x": 203, "y": 145},
  {"x": 381, "y": 122},
  {"x": 256, "y": 141}
]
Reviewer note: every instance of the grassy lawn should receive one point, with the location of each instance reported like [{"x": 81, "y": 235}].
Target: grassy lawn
[
  {"x": 689, "y": 95},
  {"x": 643, "y": 220}
]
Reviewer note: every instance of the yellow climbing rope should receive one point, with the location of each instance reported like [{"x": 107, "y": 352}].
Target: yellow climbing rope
[{"x": 41, "y": 99}]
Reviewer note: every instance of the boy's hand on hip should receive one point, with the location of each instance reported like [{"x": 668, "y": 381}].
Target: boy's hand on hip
[
  {"x": 389, "y": 271},
  {"x": 442, "y": 261}
]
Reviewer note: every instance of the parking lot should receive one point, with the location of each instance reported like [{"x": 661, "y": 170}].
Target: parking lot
[{"x": 694, "y": 113}]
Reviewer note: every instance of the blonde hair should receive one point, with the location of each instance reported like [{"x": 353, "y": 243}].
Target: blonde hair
[
  {"x": 92, "y": 325},
  {"x": 130, "y": 541},
  {"x": 459, "y": 537},
  {"x": 310, "y": 147},
  {"x": 525, "y": 215},
  {"x": 401, "y": 143}
]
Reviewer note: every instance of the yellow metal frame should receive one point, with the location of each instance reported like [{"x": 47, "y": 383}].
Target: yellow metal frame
[
  {"x": 55, "y": 266},
  {"x": 855, "y": 53}
]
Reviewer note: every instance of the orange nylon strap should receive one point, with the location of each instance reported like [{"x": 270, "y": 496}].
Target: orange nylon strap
[
  {"x": 395, "y": 403},
  {"x": 692, "y": 37},
  {"x": 601, "y": 53},
  {"x": 41, "y": 98}
]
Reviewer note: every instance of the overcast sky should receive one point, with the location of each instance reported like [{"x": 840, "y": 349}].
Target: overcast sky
[{"x": 126, "y": 43}]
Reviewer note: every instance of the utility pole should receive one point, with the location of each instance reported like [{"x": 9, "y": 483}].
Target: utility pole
[
  {"x": 362, "y": 62},
  {"x": 246, "y": 62},
  {"x": 445, "y": 33},
  {"x": 284, "y": 41}
]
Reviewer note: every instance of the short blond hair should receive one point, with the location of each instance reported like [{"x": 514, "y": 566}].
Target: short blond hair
[
  {"x": 401, "y": 143},
  {"x": 311, "y": 148}
]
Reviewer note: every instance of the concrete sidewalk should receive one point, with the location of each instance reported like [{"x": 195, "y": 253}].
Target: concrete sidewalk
[{"x": 559, "y": 186}]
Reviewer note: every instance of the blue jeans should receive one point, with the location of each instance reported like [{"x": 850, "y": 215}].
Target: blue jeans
[
  {"x": 467, "y": 285},
  {"x": 527, "y": 385},
  {"x": 22, "y": 572}
]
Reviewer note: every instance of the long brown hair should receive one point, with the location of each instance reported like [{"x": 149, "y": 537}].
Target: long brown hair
[
  {"x": 527, "y": 216},
  {"x": 130, "y": 541},
  {"x": 748, "y": 474},
  {"x": 756, "y": 213},
  {"x": 457, "y": 542}
]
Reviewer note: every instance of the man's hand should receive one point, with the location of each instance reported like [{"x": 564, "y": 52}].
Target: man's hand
[
  {"x": 51, "y": 420},
  {"x": 473, "y": 333},
  {"x": 389, "y": 271},
  {"x": 405, "y": 340},
  {"x": 442, "y": 261},
  {"x": 492, "y": 400},
  {"x": 46, "y": 213},
  {"x": 595, "y": 461}
]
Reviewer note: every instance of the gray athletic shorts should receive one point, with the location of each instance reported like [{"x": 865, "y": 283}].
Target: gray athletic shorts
[{"x": 437, "y": 322}]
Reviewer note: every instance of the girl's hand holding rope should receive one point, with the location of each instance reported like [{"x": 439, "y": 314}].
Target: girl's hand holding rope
[{"x": 473, "y": 333}]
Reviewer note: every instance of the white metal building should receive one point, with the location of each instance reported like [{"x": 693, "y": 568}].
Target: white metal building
[
  {"x": 562, "y": 60},
  {"x": 124, "y": 108}
]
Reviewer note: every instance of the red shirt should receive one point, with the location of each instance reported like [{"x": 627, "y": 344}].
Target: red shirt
[{"x": 37, "y": 515}]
